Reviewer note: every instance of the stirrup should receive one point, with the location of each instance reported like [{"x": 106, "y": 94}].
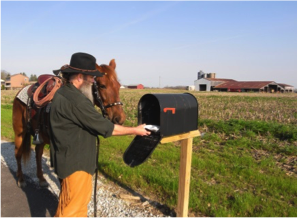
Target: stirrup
[{"x": 37, "y": 139}]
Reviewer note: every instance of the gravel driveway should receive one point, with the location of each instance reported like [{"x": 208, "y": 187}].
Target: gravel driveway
[{"x": 112, "y": 200}]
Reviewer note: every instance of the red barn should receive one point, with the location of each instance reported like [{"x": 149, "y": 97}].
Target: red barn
[{"x": 140, "y": 86}]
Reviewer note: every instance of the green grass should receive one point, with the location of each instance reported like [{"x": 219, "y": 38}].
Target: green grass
[
  {"x": 6, "y": 122},
  {"x": 253, "y": 128},
  {"x": 226, "y": 178},
  {"x": 245, "y": 165}
]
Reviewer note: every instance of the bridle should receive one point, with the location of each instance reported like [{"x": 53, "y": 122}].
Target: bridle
[{"x": 98, "y": 99}]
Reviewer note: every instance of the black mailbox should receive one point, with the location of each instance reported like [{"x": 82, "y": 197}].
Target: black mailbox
[{"x": 172, "y": 113}]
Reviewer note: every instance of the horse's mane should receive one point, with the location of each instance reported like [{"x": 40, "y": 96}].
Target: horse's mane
[{"x": 111, "y": 74}]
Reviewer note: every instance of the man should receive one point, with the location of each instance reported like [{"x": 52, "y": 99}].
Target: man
[{"x": 74, "y": 125}]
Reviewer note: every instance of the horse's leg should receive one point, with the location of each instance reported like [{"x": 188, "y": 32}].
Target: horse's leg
[
  {"x": 39, "y": 152},
  {"x": 18, "y": 155},
  {"x": 18, "y": 119}
]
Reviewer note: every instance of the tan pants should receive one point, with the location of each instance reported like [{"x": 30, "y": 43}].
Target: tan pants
[{"x": 75, "y": 195}]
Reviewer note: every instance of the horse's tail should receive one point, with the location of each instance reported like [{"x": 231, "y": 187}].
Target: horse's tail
[{"x": 26, "y": 143}]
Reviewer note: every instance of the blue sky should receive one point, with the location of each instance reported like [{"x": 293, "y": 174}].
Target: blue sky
[{"x": 154, "y": 43}]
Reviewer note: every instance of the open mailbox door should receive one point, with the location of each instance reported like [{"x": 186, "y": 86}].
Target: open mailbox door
[{"x": 172, "y": 113}]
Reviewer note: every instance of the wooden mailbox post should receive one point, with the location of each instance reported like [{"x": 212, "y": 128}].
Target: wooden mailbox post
[{"x": 185, "y": 168}]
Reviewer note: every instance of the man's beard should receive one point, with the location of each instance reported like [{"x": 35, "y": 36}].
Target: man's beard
[{"x": 86, "y": 89}]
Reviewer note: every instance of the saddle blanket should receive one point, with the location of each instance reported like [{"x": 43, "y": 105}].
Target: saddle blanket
[{"x": 23, "y": 96}]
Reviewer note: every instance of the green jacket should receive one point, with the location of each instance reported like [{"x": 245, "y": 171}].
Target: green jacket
[{"x": 74, "y": 126}]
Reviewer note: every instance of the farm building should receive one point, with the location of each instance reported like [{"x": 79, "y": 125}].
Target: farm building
[
  {"x": 139, "y": 86},
  {"x": 208, "y": 82},
  {"x": 287, "y": 88},
  {"x": 190, "y": 88},
  {"x": 16, "y": 81},
  {"x": 249, "y": 86}
]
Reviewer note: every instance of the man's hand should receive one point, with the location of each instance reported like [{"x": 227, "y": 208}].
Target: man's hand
[
  {"x": 141, "y": 130},
  {"x": 122, "y": 130}
]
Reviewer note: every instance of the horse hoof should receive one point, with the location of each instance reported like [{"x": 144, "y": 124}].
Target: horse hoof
[
  {"x": 22, "y": 184},
  {"x": 43, "y": 184}
]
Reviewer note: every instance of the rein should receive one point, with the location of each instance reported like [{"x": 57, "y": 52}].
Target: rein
[{"x": 98, "y": 99}]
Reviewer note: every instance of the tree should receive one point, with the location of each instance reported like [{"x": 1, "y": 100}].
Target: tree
[
  {"x": 33, "y": 77},
  {"x": 4, "y": 74},
  {"x": 23, "y": 73}
]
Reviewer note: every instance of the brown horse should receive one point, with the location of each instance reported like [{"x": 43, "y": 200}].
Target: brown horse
[{"x": 108, "y": 89}]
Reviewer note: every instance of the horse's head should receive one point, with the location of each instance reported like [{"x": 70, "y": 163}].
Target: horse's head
[{"x": 108, "y": 88}]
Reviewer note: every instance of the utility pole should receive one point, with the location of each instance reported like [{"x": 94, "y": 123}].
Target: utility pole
[{"x": 159, "y": 82}]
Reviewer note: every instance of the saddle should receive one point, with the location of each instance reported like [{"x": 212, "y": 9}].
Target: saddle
[
  {"x": 44, "y": 90},
  {"x": 40, "y": 80},
  {"x": 40, "y": 95}
]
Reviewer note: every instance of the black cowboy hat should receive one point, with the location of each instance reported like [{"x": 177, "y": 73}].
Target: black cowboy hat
[{"x": 81, "y": 63}]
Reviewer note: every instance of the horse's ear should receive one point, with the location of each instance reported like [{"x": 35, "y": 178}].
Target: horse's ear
[{"x": 113, "y": 64}]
